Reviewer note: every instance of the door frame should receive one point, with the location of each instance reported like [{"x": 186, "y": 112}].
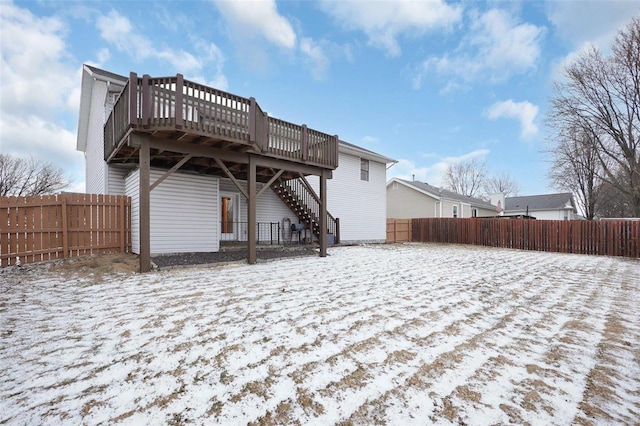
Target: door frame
[{"x": 235, "y": 199}]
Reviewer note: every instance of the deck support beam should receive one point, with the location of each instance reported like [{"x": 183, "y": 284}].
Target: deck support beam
[
  {"x": 230, "y": 175},
  {"x": 145, "y": 202},
  {"x": 251, "y": 211},
  {"x": 268, "y": 184},
  {"x": 234, "y": 157},
  {"x": 170, "y": 172},
  {"x": 322, "y": 238}
]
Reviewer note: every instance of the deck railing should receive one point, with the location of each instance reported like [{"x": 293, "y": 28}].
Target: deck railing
[
  {"x": 172, "y": 103},
  {"x": 266, "y": 232},
  {"x": 310, "y": 202}
]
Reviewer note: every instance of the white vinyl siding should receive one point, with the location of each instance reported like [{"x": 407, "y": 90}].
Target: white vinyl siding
[
  {"x": 115, "y": 180},
  {"x": 184, "y": 213},
  {"x": 269, "y": 207},
  {"x": 360, "y": 205},
  {"x": 96, "y": 168},
  {"x": 544, "y": 214}
]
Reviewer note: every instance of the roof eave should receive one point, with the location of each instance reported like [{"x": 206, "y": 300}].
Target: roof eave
[
  {"x": 89, "y": 75},
  {"x": 363, "y": 153}
]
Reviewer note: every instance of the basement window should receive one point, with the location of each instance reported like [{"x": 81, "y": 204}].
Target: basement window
[{"x": 364, "y": 169}]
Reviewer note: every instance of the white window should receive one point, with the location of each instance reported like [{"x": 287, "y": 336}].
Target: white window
[
  {"x": 566, "y": 215},
  {"x": 455, "y": 211},
  {"x": 364, "y": 169}
]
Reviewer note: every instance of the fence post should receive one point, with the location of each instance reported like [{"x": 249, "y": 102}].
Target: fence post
[
  {"x": 121, "y": 213},
  {"x": 65, "y": 233}
]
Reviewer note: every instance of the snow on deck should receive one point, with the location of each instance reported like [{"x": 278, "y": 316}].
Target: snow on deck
[{"x": 397, "y": 334}]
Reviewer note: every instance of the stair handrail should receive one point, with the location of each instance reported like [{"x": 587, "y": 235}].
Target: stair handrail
[{"x": 301, "y": 189}]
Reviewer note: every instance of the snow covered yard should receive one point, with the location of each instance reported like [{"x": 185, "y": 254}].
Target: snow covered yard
[{"x": 397, "y": 334}]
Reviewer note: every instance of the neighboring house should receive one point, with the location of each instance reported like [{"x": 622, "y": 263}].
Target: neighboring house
[
  {"x": 560, "y": 206},
  {"x": 414, "y": 199},
  {"x": 204, "y": 166}
]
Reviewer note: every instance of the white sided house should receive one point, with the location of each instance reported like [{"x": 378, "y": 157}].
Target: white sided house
[
  {"x": 414, "y": 199},
  {"x": 203, "y": 166},
  {"x": 559, "y": 206}
]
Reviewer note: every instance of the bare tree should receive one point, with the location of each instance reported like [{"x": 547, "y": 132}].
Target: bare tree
[
  {"x": 21, "y": 177},
  {"x": 466, "y": 177},
  {"x": 576, "y": 166},
  {"x": 601, "y": 95},
  {"x": 613, "y": 203},
  {"x": 503, "y": 183}
]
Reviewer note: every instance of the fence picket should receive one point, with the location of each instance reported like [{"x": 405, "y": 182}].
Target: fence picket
[
  {"x": 55, "y": 226},
  {"x": 611, "y": 238}
]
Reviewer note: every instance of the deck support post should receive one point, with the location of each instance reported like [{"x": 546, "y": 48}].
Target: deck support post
[
  {"x": 323, "y": 214},
  {"x": 251, "y": 210},
  {"x": 145, "y": 202}
]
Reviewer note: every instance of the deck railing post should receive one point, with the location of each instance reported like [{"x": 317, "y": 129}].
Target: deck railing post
[
  {"x": 335, "y": 147},
  {"x": 305, "y": 142},
  {"x": 253, "y": 112},
  {"x": 265, "y": 132},
  {"x": 133, "y": 105},
  {"x": 146, "y": 101},
  {"x": 179, "y": 101}
]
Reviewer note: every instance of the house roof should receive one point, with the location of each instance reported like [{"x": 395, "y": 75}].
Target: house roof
[
  {"x": 558, "y": 201},
  {"x": 441, "y": 193},
  {"x": 89, "y": 74},
  {"x": 349, "y": 148}
]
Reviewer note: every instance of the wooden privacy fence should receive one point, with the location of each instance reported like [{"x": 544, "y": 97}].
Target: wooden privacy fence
[
  {"x": 610, "y": 237},
  {"x": 50, "y": 227},
  {"x": 398, "y": 230}
]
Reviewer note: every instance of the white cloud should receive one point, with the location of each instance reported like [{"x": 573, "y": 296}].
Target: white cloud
[
  {"x": 315, "y": 58},
  {"x": 370, "y": 140},
  {"x": 35, "y": 73},
  {"x": 251, "y": 18},
  {"x": 431, "y": 174},
  {"x": 587, "y": 24},
  {"x": 38, "y": 91},
  {"x": 525, "y": 112},
  {"x": 495, "y": 47},
  {"x": 594, "y": 22},
  {"x": 385, "y": 21},
  {"x": 118, "y": 31},
  {"x": 25, "y": 136},
  {"x": 213, "y": 55}
]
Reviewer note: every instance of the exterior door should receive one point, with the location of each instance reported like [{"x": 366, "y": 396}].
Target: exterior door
[{"x": 229, "y": 213}]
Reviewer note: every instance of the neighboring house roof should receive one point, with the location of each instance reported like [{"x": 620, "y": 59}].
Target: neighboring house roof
[
  {"x": 440, "y": 193},
  {"x": 559, "y": 201}
]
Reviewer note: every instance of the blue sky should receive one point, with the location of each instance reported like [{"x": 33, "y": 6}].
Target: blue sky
[{"x": 428, "y": 83}]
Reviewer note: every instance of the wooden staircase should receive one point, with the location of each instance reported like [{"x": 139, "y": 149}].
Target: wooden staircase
[{"x": 298, "y": 195}]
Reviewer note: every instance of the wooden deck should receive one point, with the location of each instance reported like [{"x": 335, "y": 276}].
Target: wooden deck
[{"x": 190, "y": 116}]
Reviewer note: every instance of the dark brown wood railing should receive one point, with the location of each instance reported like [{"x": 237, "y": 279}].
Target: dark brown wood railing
[
  {"x": 167, "y": 103},
  {"x": 308, "y": 201}
]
